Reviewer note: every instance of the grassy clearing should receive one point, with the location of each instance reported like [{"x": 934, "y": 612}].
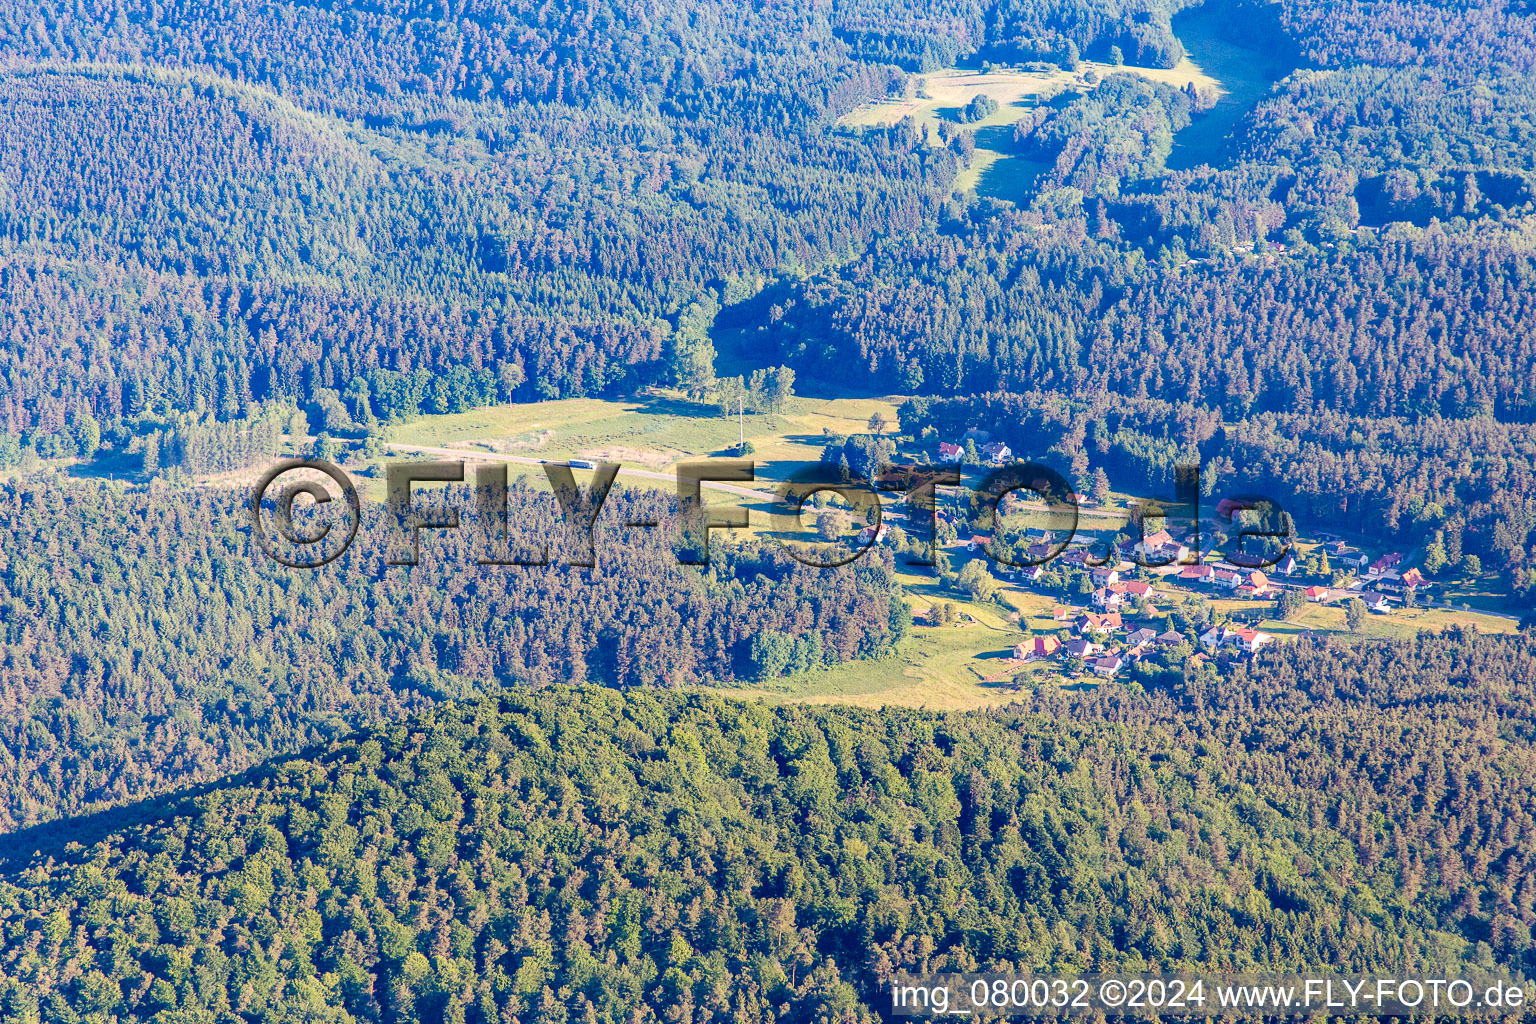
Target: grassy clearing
[
  {"x": 652, "y": 434},
  {"x": 993, "y": 170},
  {"x": 655, "y": 432},
  {"x": 1244, "y": 75}
]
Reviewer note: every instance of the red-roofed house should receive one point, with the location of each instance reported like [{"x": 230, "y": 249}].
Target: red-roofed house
[
  {"x": 1036, "y": 648},
  {"x": 1385, "y": 562},
  {"x": 1091, "y": 623},
  {"x": 1251, "y": 640},
  {"x": 1256, "y": 585},
  {"x": 950, "y": 452}
]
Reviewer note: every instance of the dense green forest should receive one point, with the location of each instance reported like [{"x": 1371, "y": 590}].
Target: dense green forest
[
  {"x": 569, "y": 855},
  {"x": 145, "y": 640}
]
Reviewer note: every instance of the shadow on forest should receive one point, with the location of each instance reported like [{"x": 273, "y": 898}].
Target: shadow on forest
[
  {"x": 116, "y": 466},
  {"x": 38, "y": 843}
]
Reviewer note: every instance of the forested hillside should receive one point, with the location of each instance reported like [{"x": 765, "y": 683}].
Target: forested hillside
[
  {"x": 466, "y": 792},
  {"x": 589, "y": 855},
  {"x": 146, "y": 641},
  {"x": 550, "y": 189}
]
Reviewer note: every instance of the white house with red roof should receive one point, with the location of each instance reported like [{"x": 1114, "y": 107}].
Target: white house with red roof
[
  {"x": 1091, "y": 623},
  {"x": 1250, "y": 640},
  {"x": 1255, "y": 584}
]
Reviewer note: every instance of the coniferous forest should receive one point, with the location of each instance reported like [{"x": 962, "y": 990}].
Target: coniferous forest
[{"x": 235, "y": 231}]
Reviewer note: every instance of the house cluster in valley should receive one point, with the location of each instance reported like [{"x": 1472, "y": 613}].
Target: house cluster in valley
[{"x": 1114, "y": 628}]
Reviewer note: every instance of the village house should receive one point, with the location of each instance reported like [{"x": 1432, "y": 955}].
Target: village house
[
  {"x": 997, "y": 453},
  {"x": 1108, "y": 665},
  {"x": 1160, "y": 549},
  {"x": 1173, "y": 551},
  {"x": 1256, "y": 584},
  {"x": 1227, "y": 579},
  {"x": 1250, "y": 640},
  {"x": 1168, "y": 638},
  {"x": 950, "y": 452},
  {"x": 1080, "y": 648},
  {"x": 1375, "y": 601},
  {"x": 1244, "y": 639},
  {"x": 1139, "y": 639},
  {"x": 1287, "y": 565},
  {"x": 1132, "y": 588},
  {"x": 978, "y": 541},
  {"x": 1318, "y": 595},
  {"x": 1037, "y": 648},
  {"x": 1064, "y": 613},
  {"x": 1383, "y": 564},
  {"x": 1105, "y": 576},
  {"x": 1032, "y": 574},
  {"x": 1107, "y": 598},
  {"x": 872, "y": 535},
  {"x": 1091, "y": 623},
  {"x": 1197, "y": 574}
]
